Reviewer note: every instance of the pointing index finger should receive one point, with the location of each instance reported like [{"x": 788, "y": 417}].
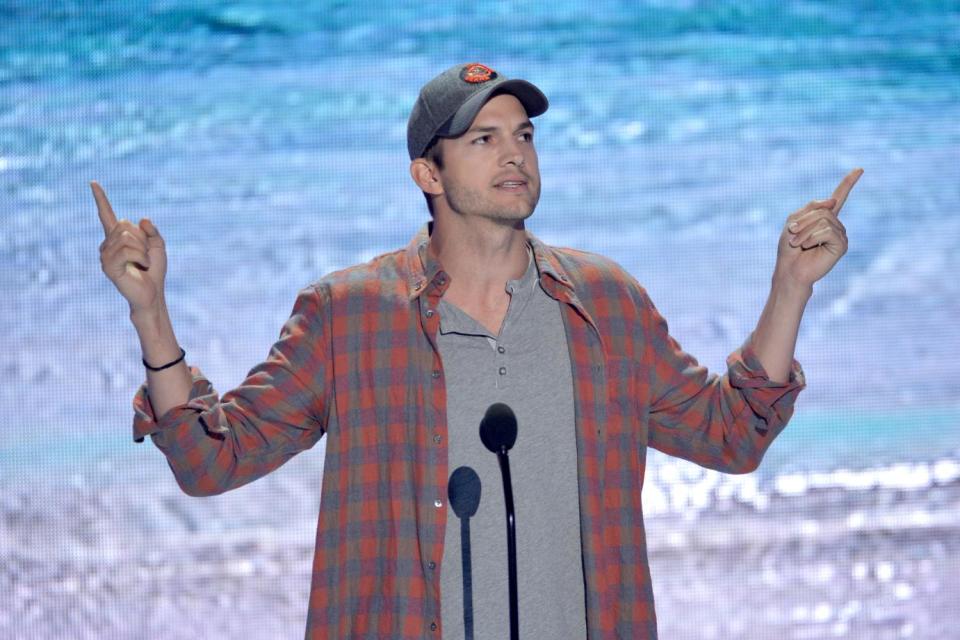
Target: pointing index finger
[
  {"x": 107, "y": 218},
  {"x": 843, "y": 189}
]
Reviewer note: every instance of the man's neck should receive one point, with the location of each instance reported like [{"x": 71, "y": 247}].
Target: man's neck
[{"x": 480, "y": 256}]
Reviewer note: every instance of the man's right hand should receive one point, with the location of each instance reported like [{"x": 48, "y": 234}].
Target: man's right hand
[{"x": 132, "y": 256}]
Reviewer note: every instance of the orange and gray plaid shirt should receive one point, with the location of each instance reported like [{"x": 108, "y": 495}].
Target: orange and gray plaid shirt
[{"x": 358, "y": 361}]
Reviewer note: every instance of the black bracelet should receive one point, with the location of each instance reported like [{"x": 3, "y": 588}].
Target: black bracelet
[{"x": 183, "y": 354}]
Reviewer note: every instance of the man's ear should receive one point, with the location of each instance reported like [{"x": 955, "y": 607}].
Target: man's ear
[{"x": 427, "y": 176}]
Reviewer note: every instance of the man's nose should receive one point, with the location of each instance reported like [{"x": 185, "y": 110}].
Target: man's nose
[{"x": 513, "y": 154}]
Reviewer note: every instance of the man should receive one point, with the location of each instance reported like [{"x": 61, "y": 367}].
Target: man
[{"x": 397, "y": 359}]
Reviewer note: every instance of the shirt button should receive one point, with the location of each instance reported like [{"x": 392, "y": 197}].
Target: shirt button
[
  {"x": 435, "y": 374},
  {"x": 503, "y": 371},
  {"x": 438, "y": 503},
  {"x": 437, "y": 439},
  {"x": 500, "y": 349},
  {"x": 429, "y": 313},
  {"x": 432, "y": 565},
  {"x": 433, "y": 626}
]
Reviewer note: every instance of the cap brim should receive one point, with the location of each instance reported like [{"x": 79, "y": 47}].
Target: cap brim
[{"x": 532, "y": 99}]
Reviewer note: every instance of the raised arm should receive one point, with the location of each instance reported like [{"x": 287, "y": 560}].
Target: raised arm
[
  {"x": 213, "y": 443},
  {"x": 134, "y": 258},
  {"x": 728, "y": 422},
  {"x": 812, "y": 241}
]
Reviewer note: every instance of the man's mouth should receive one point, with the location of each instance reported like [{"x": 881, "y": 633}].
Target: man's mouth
[{"x": 512, "y": 185}]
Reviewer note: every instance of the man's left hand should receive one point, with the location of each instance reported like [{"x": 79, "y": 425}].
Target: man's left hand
[{"x": 813, "y": 238}]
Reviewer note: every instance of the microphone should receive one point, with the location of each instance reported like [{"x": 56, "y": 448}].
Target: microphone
[
  {"x": 463, "y": 490},
  {"x": 498, "y": 432},
  {"x": 498, "y": 429}
]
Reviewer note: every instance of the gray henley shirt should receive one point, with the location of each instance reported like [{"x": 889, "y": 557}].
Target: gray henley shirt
[{"x": 526, "y": 366}]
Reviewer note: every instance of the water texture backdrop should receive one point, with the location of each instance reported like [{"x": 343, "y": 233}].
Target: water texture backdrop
[{"x": 267, "y": 142}]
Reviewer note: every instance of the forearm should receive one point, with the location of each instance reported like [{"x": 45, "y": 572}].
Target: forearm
[
  {"x": 215, "y": 444},
  {"x": 775, "y": 336},
  {"x": 171, "y": 387}
]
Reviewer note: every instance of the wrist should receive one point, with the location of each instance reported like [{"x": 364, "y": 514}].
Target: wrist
[
  {"x": 154, "y": 316},
  {"x": 158, "y": 344},
  {"x": 789, "y": 290},
  {"x": 161, "y": 367}
]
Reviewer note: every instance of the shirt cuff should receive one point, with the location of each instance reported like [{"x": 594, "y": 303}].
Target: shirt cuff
[
  {"x": 202, "y": 398},
  {"x": 770, "y": 401}
]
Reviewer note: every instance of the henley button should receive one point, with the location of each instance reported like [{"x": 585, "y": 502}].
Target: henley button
[
  {"x": 433, "y": 626},
  {"x": 436, "y": 373},
  {"x": 500, "y": 349},
  {"x": 429, "y": 313},
  {"x": 437, "y": 439},
  {"x": 503, "y": 371},
  {"x": 432, "y": 565},
  {"x": 438, "y": 503}
]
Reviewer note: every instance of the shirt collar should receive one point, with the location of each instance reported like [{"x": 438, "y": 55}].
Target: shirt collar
[{"x": 424, "y": 268}]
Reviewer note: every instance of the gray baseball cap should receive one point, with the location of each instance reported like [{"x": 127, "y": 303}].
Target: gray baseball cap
[{"x": 448, "y": 104}]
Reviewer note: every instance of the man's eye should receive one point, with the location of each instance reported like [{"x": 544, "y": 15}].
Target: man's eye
[
  {"x": 482, "y": 140},
  {"x": 526, "y": 137}
]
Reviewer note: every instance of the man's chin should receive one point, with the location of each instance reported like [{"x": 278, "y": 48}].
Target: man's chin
[
  {"x": 517, "y": 214},
  {"x": 521, "y": 210},
  {"x": 513, "y": 219}
]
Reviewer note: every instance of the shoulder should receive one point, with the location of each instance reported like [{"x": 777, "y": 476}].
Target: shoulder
[
  {"x": 587, "y": 264},
  {"x": 382, "y": 276},
  {"x": 592, "y": 274}
]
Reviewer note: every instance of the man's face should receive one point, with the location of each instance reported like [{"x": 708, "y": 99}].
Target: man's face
[{"x": 491, "y": 171}]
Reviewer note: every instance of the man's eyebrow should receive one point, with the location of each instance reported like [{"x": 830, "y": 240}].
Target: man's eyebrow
[{"x": 526, "y": 124}]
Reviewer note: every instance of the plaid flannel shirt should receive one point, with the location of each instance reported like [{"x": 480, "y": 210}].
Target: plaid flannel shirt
[{"x": 358, "y": 361}]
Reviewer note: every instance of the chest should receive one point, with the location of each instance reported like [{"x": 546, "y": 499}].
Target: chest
[{"x": 490, "y": 315}]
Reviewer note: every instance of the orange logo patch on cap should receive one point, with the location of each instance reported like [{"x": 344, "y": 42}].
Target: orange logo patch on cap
[{"x": 476, "y": 73}]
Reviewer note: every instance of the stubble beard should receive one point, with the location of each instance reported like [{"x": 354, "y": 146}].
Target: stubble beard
[{"x": 467, "y": 201}]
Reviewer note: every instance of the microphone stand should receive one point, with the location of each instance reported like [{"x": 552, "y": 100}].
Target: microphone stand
[
  {"x": 467, "y": 571},
  {"x": 498, "y": 432},
  {"x": 463, "y": 489},
  {"x": 511, "y": 542}
]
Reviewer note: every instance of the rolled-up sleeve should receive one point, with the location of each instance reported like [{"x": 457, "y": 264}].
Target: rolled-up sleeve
[
  {"x": 203, "y": 397},
  {"x": 721, "y": 422},
  {"x": 215, "y": 444},
  {"x": 770, "y": 402}
]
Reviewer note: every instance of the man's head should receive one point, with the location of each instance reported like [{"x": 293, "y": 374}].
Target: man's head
[{"x": 470, "y": 141}]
